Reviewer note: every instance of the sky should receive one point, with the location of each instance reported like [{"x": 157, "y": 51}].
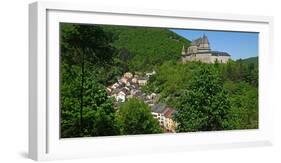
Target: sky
[{"x": 237, "y": 44}]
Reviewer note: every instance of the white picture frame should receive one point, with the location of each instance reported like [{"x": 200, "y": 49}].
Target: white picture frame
[{"x": 44, "y": 140}]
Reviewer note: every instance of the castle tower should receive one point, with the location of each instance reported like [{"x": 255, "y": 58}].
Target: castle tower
[
  {"x": 205, "y": 42},
  {"x": 183, "y": 51},
  {"x": 192, "y": 48}
]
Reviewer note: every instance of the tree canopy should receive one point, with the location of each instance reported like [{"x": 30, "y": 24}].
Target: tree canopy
[
  {"x": 84, "y": 49},
  {"x": 204, "y": 106},
  {"x": 134, "y": 117}
]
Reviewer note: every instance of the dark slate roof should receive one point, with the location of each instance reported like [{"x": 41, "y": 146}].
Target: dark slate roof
[
  {"x": 197, "y": 53},
  {"x": 218, "y": 53},
  {"x": 143, "y": 78},
  {"x": 214, "y": 53},
  {"x": 200, "y": 40},
  {"x": 158, "y": 108}
]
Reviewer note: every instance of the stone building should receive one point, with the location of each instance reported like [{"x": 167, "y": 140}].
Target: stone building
[
  {"x": 164, "y": 115},
  {"x": 200, "y": 50}
]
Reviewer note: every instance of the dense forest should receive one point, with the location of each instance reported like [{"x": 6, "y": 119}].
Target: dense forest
[
  {"x": 206, "y": 96},
  {"x": 145, "y": 48}
]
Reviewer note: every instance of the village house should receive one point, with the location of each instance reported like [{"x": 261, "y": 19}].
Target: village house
[
  {"x": 128, "y": 75},
  {"x": 135, "y": 80},
  {"x": 148, "y": 74},
  {"x": 151, "y": 96},
  {"x": 115, "y": 86},
  {"x": 129, "y": 86},
  {"x": 134, "y": 91},
  {"x": 124, "y": 80},
  {"x": 142, "y": 81},
  {"x": 157, "y": 112},
  {"x": 121, "y": 97},
  {"x": 108, "y": 90},
  {"x": 164, "y": 116},
  {"x": 170, "y": 124},
  {"x": 134, "y": 86}
]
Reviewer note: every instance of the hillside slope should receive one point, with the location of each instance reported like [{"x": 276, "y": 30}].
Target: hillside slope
[
  {"x": 146, "y": 47},
  {"x": 251, "y": 60}
]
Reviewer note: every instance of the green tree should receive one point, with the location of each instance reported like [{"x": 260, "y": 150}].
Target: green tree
[
  {"x": 86, "y": 47},
  {"x": 171, "y": 77},
  {"x": 134, "y": 117},
  {"x": 69, "y": 97},
  {"x": 252, "y": 74},
  {"x": 98, "y": 112},
  {"x": 205, "y": 105},
  {"x": 244, "y": 105}
]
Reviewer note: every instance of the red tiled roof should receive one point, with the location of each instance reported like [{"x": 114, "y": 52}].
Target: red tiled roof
[
  {"x": 125, "y": 91},
  {"x": 169, "y": 112}
]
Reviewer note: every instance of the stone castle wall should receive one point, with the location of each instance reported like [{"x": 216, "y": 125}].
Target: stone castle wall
[
  {"x": 206, "y": 58},
  {"x": 220, "y": 59}
]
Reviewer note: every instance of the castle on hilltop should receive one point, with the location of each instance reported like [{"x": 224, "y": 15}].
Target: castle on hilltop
[{"x": 200, "y": 50}]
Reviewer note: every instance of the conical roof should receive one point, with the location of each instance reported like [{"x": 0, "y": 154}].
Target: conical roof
[{"x": 205, "y": 39}]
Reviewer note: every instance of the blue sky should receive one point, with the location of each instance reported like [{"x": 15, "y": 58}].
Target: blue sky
[{"x": 237, "y": 44}]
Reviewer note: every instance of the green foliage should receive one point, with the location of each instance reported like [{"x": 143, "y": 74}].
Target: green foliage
[
  {"x": 244, "y": 105},
  {"x": 147, "y": 47},
  {"x": 86, "y": 110},
  {"x": 250, "y": 60},
  {"x": 134, "y": 117},
  {"x": 241, "y": 70},
  {"x": 98, "y": 112},
  {"x": 70, "y": 93},
  {"x": 89, "y": 40},
  {"x": 91, "y": 47},
  {"x": 171, "y": 78},
  {"x": 238, "y": 78},
  {"x": 204, "y": 106}
]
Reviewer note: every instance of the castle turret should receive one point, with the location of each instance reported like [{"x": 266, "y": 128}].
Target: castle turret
[
  {"x": 205, "y": 39},
  {"x": 192, "y": 49},
  {"x": 183, "y": 51},
  {"x": 205, "y": 42}
]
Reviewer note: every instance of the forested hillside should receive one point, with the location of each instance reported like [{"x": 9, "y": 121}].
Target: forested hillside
[
  {"x": 253, "y": 60},
  {"x": 143, "y": 48}
]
